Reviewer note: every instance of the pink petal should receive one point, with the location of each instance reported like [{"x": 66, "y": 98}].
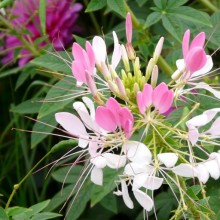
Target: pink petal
[
  {"x": 125, "y": 116},
  {"x": 77, "y": 52},
  {"x": 195, "y": 59},
  {"x": 97, "y": 176},
  {"x": 90, "y": 54},
  {"x": 114, "y": 107},
  {"x": 128, "y": 128},
  {"x": 185, "y": 43},
  {"x": 140, "y": 102},
  {"x": 166, "y": 102},
  {"x": 78, "y": 71},
  {"x": 198, "y": 41},
  {"x": 158, "y": 93},
  {"x": 147, "y": 95},
  {"x": 128, "y": 27},
  {"x": 215, "y": 128},
  {"x": 105, "y": 119},
  {"x": 144, "y": 200}
]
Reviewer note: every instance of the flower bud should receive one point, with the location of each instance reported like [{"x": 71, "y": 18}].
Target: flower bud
[
  {"x": 158, "y": 49},
  {"x": 154, "y": 76}
]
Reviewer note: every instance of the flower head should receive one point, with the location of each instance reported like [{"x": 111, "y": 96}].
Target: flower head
[{"x": 60, "y": 24}]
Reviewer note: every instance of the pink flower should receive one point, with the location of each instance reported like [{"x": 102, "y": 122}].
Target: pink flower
[
  {"x": 113, "y": 115},
  {"x": 194, "y": 54},
  {"x": 60, "y": 19},
  {"x": 83, "y": 63},
  {"x": 161, "y": 97}
]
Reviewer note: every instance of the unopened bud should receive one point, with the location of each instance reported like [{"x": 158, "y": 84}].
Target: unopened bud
[
  {"x": 136, "y": 88},
  {"x": 125, "y": 58},
  {"x": 112, "y": 87},
  {"x": 90, "y": 83},
  {"x": 121, "y": 87},
  {"x": 149, "y": 69},
  {"x": 105, "y": 71},
  {"x": 158, "y": 49},
  {"x": 113, "y": 72},
  {"x": 154, "y": 76},
  {"x": 130, "y": 51}
]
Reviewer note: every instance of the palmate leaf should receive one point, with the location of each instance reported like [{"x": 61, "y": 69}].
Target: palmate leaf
[
  {"x": 3, "y": 215},
  {"x": 95, "y": 5},
  {"x": 117, "y": 6}
]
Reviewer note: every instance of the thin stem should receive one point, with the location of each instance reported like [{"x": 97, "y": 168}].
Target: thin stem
[
  {"x": 162, "y": 63},
  {"x": 209, "y": 5},
  {"x": 16, "y": 186},
  {"x": 94, "y": 20}
]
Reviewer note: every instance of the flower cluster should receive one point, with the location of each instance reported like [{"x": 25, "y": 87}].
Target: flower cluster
[
  {"x": 60, "y": 24},
  {"x": 133, "y": 132}
]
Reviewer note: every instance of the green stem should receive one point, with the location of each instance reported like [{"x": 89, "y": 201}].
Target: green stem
[
  {"x": 16, "y": 186},
  {"x": 94, "y": 21},
  {"x": 209, "y": 5},
  {"x": 162, "y": 63}
]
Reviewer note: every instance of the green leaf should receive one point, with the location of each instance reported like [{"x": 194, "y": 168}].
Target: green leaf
[
  {"x": 27, "y": 107},
  {"x": 16, "y": 210},
  {"x": 95, "y": 5},
  {"x": 170, "y": 26},
  {"x": 59, "y": 61},
  {"x": 141, "y": 2},
  {"x": 3, "y": 215},
  {"x": 80, "y": 40},
  {"x": 63, "y": 144},
  {"x": 164, "y": 202},
  {"x": 5, "y": 3},
  {"x": 117, "y": 6},
  {"x": 153, "y": 18},
  {"x": 192, "y": 15},
  {"x": 99, "y": 192},
  {"x": 69, "y": 174},
  {"x": 44, "y": 129},
  {"x": 110, "y": 203},
  {"x": 160, "y": 3},
  {"x": 21, "y": 79},
  {"x": 55, "y": 99},
  {"x": 10, "y": 72},
  {"x": 193, "y": 191},
  {"x": 45, "y": 216},
  {"x": 42, "y": 15},
  {"x": 175, "y": 4},
  {"x": 39, "y": 207},
  {"x": 77, "y": 206}
]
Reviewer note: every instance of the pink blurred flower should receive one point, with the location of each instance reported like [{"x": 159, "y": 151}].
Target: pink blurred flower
[{"x": 60, "y": 24}]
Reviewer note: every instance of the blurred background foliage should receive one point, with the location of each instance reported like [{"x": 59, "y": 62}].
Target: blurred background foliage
[{"x": 27, "y": 86}]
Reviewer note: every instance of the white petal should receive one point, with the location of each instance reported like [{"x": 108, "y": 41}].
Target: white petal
[
  {"x": 193, "y": 135},
  {"x": 83, "y": 142},
  {"x": 153, "y": 182},
  {"x": 144, "y": 200},
  {"x": 134, "y": 168},
  {"x": 99, "y": 47},
  {"x": 168, "y": 159},
  {"x": 71, "y": 123},
  {"x": 98, "y": 161},
  {"x": 127, "y": 200},
  {"x": 215, "y": 128},
  {"x": 203, "y": 174},
  {"x": 139, "y": 180},
  {"x": 213, "y": 168},
  {"x": 137, "y": 151},
  {"x": 180, "y": 64},
  {"x": 90, "y": 104},
  {"x": 116, "y": 56},
  {"x": 97, "y": 176},
  {"x": 114, "y": 161},
  {"x": 185, "y": 170}
]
